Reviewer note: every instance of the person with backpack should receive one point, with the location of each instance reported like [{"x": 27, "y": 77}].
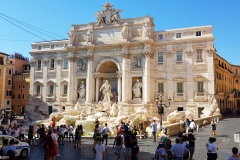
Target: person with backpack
[
  {"x": 5, "y": 144},
  {"x": 128, "y": 146},
  {"x": 191, "y": 140},
  {"x": 10, "y": 150}
]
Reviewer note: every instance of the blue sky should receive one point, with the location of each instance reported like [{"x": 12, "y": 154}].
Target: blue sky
[{"x": 56, "y": 16}]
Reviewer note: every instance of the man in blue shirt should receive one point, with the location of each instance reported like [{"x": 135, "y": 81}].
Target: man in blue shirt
[
  {"x": 154, "y": 129},
  {"x": 10, "y": 147},
  {"x": 178, "y": 150}
]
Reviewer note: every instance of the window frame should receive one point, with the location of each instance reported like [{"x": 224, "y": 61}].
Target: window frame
[
  {"x": 180, "y": 90},
  {"x": 160, "y": 87},
  {"x": 178, "y": 35},
  {"x": 198, "y": 33},
  {"x": 160, "y": 37},
  {"x": 159, "y": 57},
  {"x": 65, "y": 63},
  {"x": 179, "y": 55}
]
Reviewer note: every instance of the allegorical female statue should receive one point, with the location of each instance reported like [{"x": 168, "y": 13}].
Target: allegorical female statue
[
  {"x": 137, "y": 89},
  {"x": 82, "y": 90},
  {"x": 106, "y": 90}
]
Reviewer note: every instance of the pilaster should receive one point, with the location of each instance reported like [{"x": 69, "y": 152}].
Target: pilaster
[
  {"x": 125, "y": 75},
  {"x": 89, "y": 80}
]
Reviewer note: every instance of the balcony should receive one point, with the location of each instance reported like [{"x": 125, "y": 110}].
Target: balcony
[
  {"x": 64, "y": 98},
  {"x": 178, "y": 97},
  {"x": 38, "y": 97},
  {"x": 200, "y": 97},
  {"x": 51, "y": 98},
  {"x": 199, "y": 62}
]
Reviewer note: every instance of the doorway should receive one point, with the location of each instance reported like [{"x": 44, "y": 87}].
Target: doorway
[{"x": 49, "y": 110}]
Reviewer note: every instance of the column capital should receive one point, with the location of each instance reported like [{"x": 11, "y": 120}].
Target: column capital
[
  {"x": 211, "y": 51},
  {"x": 58, "y": 60},
  {"x": 72, "y": 57},
  {"x": 169, "y": 53},
  {"x": 32, "y": 62},
  {"x": 189, "y": 52},
  {"x": 45, "y": 61},
  {"x": 126, "y": 55}
]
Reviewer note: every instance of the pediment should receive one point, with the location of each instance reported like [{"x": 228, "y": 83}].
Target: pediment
[
  {"x": 200, "y": 78},
  {"x": 179, "y": 78},
  {"x": 51, "y": 82}
]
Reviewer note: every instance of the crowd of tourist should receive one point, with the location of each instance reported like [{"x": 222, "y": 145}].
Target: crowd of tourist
[{"x": 126, "y": 141}]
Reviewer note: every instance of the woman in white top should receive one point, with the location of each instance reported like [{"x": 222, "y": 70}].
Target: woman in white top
[
  {"x": 235, "y": 155},
  {"x": 211, "y": 149}
]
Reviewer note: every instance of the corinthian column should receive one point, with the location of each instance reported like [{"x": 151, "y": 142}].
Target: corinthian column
[
  {"x": 146, "y": 74},
  {"x": 119, "y": 88},
  {"x": 97, "y": 88},
  {"x": 72, "y": 89},
  {"x": 125, "y": 75},
  {"x": 89, "y": 81}
]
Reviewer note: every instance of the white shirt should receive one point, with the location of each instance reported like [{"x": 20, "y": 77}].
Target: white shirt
[
  {"x": 100, "y": 129},
  {"x": 100, "y": 148},
  {"x": 16, "y": 133},
  {"x": 70, "y": 129},
  {"x": 130, "y": 126},
  {"x": 105, "y": 130},
  {"x": 61, "y": 130},
  {"x": 192, "y": 125},
  {"x": 54, "y": 137}
]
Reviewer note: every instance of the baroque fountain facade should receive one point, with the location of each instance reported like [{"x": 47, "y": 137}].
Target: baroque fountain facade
[{"x": 113, "y": 68}]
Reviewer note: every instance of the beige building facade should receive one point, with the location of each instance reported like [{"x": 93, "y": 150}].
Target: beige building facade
[{"x": 126, "y": 52}]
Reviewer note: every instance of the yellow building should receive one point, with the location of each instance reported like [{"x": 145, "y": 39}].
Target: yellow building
[
  {"x": 236, "y": 85},
  {"x": 21, "y": 90},
  {"x": 3, "y": 59},
  {"x": 224, "y": 84}
]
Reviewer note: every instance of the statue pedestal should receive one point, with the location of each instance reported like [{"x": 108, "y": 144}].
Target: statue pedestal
[
  {"x": 81, "y": 100},
  {"x": 137, "y": 101}
]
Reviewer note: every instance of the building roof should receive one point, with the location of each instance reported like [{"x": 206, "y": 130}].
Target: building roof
[{"x": 4, "y": 54}]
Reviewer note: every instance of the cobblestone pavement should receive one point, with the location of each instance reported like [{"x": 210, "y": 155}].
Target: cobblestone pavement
[{"x": 225, "y": 141}]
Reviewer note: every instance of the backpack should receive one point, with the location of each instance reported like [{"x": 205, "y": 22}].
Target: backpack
[{"x": 11, "y": 155}]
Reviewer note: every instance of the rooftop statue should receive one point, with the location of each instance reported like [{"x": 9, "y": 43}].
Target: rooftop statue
[{"x": 108, "y": 14}]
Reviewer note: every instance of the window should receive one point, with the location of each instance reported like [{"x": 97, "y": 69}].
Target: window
[
  {"x": 39, "y": 64},
  {"x": 9, "y": 82},
  {"x": 236, "y": 71},
  {"x": 13, "y": 96},
  {"x": 160, "y": 57},
  {"x": 200, "y": 86},
  {"x": 24, "y": 78},
  {"x": 1, "y": 60},
  {"x": 23, "y": 86},
  {"x": 65, "y": 63},
  {"x": 20, "y": 78},
  {"x": 19, "y": 96},
  {"x": 178, "y": 35},
  {"x": 52, "y": 46},
  {"x": 199, "y": 55},
  {"x": 236, "y": 80},
  {"x": 160, "y": 37},
  {"x": 51, "y": 89},
  {"x": 160, "y": 88},
  {"x": 38, "y": 90},
  {"x": 18, "y": 106},
  {"x": 8, "y": 102},
  {"x": 198, "y": 33},
  {"x": 179, "y": 56},
  {"x": 179, "y": 87},
  {"x": 23, "y": 96},
  {"x": 0, "y": 72},
  {"x": 19, "y": 87},
  {"x": 9, "y": 71},
  {"x": 39, "y": 47},
  {"x": 52, "y": 64},
  {"x": 65, "y": 89},
  {"x": 180, "y": 109},
  {"x": 9, "y": 93}
]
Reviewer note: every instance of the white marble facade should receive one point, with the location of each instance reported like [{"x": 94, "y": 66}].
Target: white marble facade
[{"x": 177, "y": 62}]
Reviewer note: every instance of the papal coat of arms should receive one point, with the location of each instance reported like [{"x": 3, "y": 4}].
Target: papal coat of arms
[{"x": 108, "y": 14}]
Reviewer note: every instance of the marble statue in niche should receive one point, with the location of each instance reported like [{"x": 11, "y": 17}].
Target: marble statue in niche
[
  {"x": 137, "y": 89},
  {"x": 72, "y": 38},
  {"x": 89, "y": 35},
  {"x": 146, "y": 30},
  {"x": 82, "y": 90},
  {"x": 125, "y": 32},
  {"x": 106, "y": 90},
  {"x": 81, "y": 66}
]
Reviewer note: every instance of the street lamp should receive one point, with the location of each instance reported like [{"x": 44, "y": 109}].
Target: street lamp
[{"x": 161, "y": 106}]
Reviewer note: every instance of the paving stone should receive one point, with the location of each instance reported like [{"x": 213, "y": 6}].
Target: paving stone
[{"x": 225, "y": 141}]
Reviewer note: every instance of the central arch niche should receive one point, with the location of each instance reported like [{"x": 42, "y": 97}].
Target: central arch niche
[{"x": 108, "y": 67}]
